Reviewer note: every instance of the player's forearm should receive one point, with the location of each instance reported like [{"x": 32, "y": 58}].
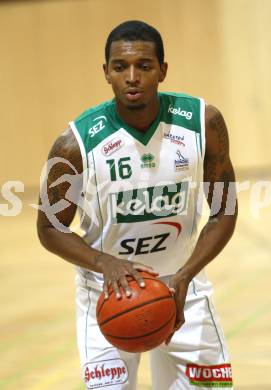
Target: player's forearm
[
  {"x": 71, "y": 247},
  {"x": 212, "y": 239}
]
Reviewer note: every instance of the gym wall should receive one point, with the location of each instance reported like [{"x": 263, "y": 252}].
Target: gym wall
[{"x": 51, "y": 70}]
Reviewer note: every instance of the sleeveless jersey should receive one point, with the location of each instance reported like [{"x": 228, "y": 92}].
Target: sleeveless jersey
[{"x": 140, "y": 201}]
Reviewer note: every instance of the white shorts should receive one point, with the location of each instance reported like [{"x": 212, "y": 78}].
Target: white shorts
[{"x": 196, "y": 358}]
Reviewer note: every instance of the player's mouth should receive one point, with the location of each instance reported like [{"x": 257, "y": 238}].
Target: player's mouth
[{"x": 133, "y": 94}]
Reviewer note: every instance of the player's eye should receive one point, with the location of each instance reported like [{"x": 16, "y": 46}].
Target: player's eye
[
  {"x": 118, "y": 67},
  {"x": 145, "y": 67}
]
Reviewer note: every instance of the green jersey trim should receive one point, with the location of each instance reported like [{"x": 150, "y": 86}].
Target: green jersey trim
[
  {"x": 93, "y": 126},
  {"x": 145, "y": 137},
  {"x": 83, "y": 153},
  {"x": 98, "y": 197},
  {"x": 212, "y": 317},
  {"x": 177, "y": 109},
  {"x": 185, "y": 111},
  {"x": 218, "y": 335},
  {"x": 99, "y": 122}
]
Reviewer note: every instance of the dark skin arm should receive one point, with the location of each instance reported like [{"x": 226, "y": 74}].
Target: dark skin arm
[
  {"x": 220, "y": 226},
  {"x": 69, "y": 245}
]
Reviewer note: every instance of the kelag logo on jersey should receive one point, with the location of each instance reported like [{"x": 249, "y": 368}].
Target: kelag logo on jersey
[
  {"x": 178, "y": 111},
  {"x": 145, "y": 204}
]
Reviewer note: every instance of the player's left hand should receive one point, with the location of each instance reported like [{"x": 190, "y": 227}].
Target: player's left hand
[{"x": 178, "y": 285}]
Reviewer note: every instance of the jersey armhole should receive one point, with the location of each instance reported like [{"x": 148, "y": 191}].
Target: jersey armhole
[{"x": 83, "y": 154}]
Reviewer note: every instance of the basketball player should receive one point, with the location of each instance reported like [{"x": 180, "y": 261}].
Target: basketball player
[{"x": 135, "y": 165}]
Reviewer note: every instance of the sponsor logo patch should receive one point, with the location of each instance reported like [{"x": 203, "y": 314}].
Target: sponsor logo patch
[
  {"x": 105, "y": 373},
  {"x": 145, "y": 204},
  {"x": 150, "y": 244},
  {"x": 143, "y": 245},
  {"x": 99, "y": 125},
  {"x": 147, "y": 161},
  {"x": 175, "y": 139},
  {"x": 181, "y": 163},
  {"x": 219, "y": 376},
  {"x": 178, "y": 111},
  {"x": 112, "y": 146}
]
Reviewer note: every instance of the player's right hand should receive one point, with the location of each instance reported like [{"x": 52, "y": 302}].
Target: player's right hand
[{"x": 115, "y": 272}]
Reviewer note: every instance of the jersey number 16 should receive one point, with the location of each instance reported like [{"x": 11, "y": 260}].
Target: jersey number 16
[{"x": 119, "y": 169}]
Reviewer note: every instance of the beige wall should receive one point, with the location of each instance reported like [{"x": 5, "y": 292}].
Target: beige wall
[{"x": 52, "y": 53}]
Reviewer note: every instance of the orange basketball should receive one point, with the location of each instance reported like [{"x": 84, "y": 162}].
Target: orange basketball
[{"x": 141, "y": 322}]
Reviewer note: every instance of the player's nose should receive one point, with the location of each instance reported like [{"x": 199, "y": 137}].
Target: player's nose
[{"x": 132, "y": 75}]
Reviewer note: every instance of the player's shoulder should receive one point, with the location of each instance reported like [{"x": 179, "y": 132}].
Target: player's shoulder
[
  {"x": 181, "y": 104},
  {"x": 66, "y": 149},
  {"x": 178, "y": 96},
  {"x": 212, "y": 113},
  {"x": 183, "y": 110},
  {"x": 94, "y": 111},
  {"x": 216, "y": 130},
  {"x": 95, "y": 124}
]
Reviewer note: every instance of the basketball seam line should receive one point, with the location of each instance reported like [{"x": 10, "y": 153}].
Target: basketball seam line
[
  {"x": 112, "y": 292},
  {"x": 144, "y": 335},
  {"x": 135, "y": 307}
]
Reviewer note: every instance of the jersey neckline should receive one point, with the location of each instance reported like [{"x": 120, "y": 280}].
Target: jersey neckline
[{"x": 145, "y": 137}]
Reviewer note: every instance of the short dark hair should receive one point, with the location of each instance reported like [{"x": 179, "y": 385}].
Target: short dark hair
[{"x": 135, "y": 30}]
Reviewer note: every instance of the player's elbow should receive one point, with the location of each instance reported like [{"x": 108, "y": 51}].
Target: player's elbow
[
  {"x": 234, "y": 217},
  {"x": 44, "y": 232},
  {"x": 41, "y": 231},
  {"x": 230, "y": 222}
]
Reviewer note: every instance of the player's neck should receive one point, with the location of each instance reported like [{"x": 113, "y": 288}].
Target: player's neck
[{"x": 140, "y": 119}]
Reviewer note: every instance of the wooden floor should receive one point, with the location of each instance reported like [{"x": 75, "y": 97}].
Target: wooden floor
[{"x": 37, "y": 328}]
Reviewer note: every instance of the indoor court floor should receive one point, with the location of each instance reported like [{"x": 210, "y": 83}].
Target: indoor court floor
[{"x": 37, "y": 337}]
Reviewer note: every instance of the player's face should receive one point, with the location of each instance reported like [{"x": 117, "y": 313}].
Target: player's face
[{"x": 134, "y": 72}]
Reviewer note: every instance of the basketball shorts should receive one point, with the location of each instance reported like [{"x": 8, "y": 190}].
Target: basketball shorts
[{"x": 196, "y": 357}]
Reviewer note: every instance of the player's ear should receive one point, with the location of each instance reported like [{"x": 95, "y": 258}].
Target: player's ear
[
  {"x": 105, "y": 68},
  {"x": 163, "y": 72}
]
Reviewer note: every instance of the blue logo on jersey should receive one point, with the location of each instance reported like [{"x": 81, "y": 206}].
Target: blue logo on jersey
[{"x": 181, "y": 163}]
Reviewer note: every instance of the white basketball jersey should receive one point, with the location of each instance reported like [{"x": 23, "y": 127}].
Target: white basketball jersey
[{"x": 140, "y": 200}]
